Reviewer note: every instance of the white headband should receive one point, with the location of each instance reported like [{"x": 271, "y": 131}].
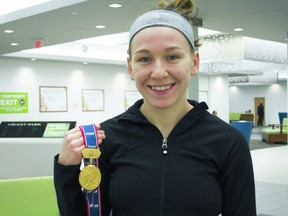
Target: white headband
[{"x": 163, "y": 18}]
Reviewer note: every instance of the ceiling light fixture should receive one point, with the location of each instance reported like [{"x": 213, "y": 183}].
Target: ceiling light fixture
[
  {"x": 238, "y": 29},
  {"x": 100, "y": 26},
  {"x": 8, "y": 31},
  {"x": 14, "y": 44},
  {"x": 115, "y": 5}
]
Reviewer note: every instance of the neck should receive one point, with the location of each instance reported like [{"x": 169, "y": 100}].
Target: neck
[{"x": 165, "y": 119}]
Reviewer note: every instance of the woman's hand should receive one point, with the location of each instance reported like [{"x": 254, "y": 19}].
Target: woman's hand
[{"x": 73, "y": 144}]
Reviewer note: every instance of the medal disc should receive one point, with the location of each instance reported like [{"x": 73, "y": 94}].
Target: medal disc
[{"x": 90, "y": 177}]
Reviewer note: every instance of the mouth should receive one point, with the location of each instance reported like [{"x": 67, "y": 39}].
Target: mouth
[{"x": 161, "y": 88}]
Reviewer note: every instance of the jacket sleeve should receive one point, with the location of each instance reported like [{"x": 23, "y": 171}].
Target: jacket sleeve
[
  {"x": 70, "y": 198},
  {"x": 237, "y": 182}
]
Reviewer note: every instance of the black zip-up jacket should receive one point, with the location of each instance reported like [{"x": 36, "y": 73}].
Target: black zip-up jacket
[{"x": 203, "y": 168}]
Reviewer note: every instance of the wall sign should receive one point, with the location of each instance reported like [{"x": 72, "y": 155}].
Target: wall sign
[
  {"x": 35, "y": 129},
  {"x": 13, "y": 102}
]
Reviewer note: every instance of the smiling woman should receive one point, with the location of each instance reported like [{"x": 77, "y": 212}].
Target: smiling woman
[
  {"x": 161, "y": 67},
  {"x": 166, "y": 155}
]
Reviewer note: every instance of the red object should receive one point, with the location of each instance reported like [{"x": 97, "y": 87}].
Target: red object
[{"x": 38, "y": 43}]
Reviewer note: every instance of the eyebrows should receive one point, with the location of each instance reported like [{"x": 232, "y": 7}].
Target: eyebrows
[{"x": 168, "y": 49}]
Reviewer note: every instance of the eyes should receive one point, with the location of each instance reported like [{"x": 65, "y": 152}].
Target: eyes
[
  {"x": 173, "y": 57},
  {"x": 146, "y": 59}
]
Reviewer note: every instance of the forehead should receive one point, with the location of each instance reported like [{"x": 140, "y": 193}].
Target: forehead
[{"x": 159, "y": 35}]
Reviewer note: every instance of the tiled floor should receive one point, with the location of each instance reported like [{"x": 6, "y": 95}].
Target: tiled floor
[{"x": 271, "y": 178}]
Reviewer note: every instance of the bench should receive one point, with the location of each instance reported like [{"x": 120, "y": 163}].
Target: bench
[{"x": 276, "y": 135}]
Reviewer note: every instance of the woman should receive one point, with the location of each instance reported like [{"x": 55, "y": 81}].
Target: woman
[{"x": 165, "y": 155}]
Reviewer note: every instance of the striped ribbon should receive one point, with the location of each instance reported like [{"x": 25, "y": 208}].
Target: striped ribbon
[{"x": 93, "y": 198}]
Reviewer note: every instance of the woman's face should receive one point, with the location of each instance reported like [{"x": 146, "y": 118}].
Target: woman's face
[{"x": 161, "y": 64}]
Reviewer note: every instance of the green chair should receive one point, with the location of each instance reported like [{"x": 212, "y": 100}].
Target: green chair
[{"x": 33, "y": 196}]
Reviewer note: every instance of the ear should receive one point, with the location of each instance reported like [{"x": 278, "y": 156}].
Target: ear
[
  {"x": 196, "y": 64},
  {"x": 130, "y": 68}
]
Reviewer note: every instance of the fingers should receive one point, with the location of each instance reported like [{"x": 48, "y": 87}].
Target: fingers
[
  {"x": 71, "y": 151},
  {"x": 100, "y": 136},
  {"x": 73, "y": 144},
  {"x": 74, "y": 138},
  {"x": 76, "y": 135},
  {"x": 97, "y": 126}
]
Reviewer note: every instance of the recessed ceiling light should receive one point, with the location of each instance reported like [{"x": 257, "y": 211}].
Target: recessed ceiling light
[
  {"x": 238, "y": 29},
  {"x": 14, "y": 44},
  {"x": 8, "y": 31},
  {"x": 74, "y": 13},
  {"x": 33, "y": 59},
  {"x": 100, "y": 26},
  {"x": 85, "y": 63},
  {"x": 115, "y": 5}
]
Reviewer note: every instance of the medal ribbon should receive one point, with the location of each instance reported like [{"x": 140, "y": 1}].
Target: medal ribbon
[{"x": 93, "y": 198}]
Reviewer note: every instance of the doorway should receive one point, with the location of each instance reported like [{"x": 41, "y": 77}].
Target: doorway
[{"x": 257, "y": 101}]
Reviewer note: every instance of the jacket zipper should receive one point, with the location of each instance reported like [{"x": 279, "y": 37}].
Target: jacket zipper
[
  {"x": 164, "y": 151},
  {"x": 164, "y": 146}
]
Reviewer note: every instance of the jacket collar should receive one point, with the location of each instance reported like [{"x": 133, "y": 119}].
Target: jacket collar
[{"x": 134, "y": 114}]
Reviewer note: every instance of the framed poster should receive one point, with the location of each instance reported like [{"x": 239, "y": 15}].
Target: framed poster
[
  {"x": 131, "y": 97},
  {"x": 92, "y": 100},
  {"x": 53, "y": 99}
]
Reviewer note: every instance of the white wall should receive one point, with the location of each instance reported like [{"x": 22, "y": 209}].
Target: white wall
[
  {"x": 227, "y": 99},
  {"x": 27, "y": 76},
  {"x": 242, "y": 99},
  {"x": 218, "y": 94},
  {"x": 28, "y": 157}
]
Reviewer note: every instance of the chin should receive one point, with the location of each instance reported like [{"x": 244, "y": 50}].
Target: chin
[{"x": 161, "y": 104}]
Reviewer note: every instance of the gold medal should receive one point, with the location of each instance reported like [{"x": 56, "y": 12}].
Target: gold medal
[
  {"x": 90, "y": 177},
  {"x": 91, "y": 153}
]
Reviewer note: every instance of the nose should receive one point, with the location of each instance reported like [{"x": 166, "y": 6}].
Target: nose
[{"x": 159, "y": 70}]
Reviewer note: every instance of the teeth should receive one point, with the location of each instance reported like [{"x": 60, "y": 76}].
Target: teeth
[{"x": 161, "y": 88}]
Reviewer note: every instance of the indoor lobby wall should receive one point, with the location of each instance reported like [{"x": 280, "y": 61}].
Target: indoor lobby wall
[
  {"x": 28, "y": 157},
  {"x": 217, "y": 89},
  {"x": 242, "y": 99},
  {"x": 27, "y": 76}
]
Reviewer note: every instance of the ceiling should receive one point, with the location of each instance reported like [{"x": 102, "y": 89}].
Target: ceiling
[{"x": 61, "y": 22}]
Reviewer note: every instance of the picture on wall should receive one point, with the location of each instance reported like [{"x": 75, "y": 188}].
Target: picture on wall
[
  {"x": 92, "y": 100},
  {"x": 53, "y": 99},
  {"x": 130, "y": 97}
]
